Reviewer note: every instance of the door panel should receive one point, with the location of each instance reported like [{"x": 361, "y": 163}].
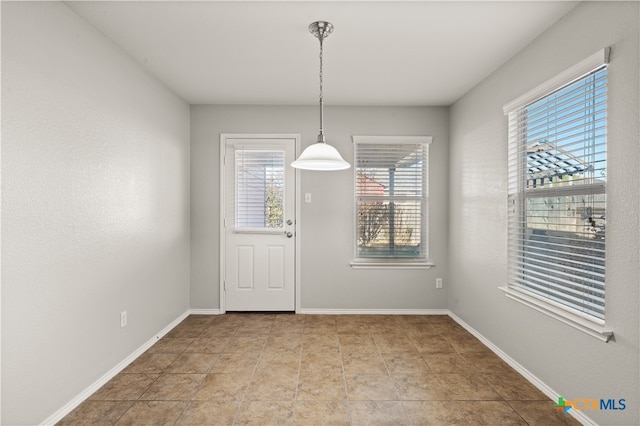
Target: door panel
[
  {"x": 276, "y": 267},
  {"x": 244, "y": 268},
  {"x": 259, "y": 224}
]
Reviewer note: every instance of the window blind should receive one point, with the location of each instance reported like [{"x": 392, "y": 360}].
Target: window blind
[
  {"x": 557, "y": 195},
  {"x": 391, "y": 198},
  {"x": 259, "y": 189}
]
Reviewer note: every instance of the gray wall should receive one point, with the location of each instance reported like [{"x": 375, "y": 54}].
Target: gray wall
[
  {"x": 327, "y": 236},
  {"x": 95, "y": 199},
  {"x": 572, "y": 363}
]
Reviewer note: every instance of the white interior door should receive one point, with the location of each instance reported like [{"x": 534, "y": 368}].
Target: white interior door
[{"x": 259, "y": 224}]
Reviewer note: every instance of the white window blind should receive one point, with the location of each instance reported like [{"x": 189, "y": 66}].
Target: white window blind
[
  {"x": 259, "y": 192},
  {"x": 557, "y": 196},
  {"x": 391, "y": 197}
]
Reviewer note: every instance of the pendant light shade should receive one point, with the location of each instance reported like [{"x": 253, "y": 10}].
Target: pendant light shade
[{"x": 320, "y": 155}]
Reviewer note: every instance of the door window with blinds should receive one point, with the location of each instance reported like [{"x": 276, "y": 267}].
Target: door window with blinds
[
  {"x": 557, "y": 196},
  {"x": 391, "y": 193},
  {"x": 259, "y": 191}
]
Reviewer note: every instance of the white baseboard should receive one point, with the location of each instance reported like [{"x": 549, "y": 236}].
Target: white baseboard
[
  {"x": 372, "y": 311},
  {"x": 71, "y": 405},
  {"x": 204, "y": 311},
  {"x": 543, "y": 387}
]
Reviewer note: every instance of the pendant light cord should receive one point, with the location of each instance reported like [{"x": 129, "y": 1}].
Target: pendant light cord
[{"x": 321, "y": 135}]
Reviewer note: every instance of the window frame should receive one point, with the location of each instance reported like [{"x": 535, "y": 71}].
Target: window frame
[
  {"x": 516, "y": 190},
  {"x": 394, "y": 262}
]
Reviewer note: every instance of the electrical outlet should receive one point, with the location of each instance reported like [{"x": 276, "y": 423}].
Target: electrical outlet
[
  {"x": 123, "y": 319},
  {"x": 438, "y": 282}
]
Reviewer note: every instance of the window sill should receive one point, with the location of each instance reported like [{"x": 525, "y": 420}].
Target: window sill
[
  {"x": 599, "y": 331},
  {"x": 391, "y": 265}
]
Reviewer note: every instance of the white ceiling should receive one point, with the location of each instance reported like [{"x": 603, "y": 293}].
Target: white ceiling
[{"x": 381, "y": 52}]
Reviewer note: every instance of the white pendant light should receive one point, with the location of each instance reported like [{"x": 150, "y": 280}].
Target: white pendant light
[{"x": 320, "y": 155}]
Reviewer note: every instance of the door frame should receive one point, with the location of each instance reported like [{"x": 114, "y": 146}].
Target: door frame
[{"x": 222, "y": 199}]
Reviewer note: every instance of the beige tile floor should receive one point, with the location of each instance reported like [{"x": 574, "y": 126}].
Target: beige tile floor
[{"x": 283, "y": 369}]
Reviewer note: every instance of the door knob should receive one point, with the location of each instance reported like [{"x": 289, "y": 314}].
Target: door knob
[{"x": 288, "y": 234}]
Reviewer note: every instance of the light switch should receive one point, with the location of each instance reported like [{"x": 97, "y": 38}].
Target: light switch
[{"x": 307, "y": 197}]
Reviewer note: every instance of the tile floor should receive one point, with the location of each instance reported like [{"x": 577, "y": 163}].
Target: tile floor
[{"x": 284, "y": 369}]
